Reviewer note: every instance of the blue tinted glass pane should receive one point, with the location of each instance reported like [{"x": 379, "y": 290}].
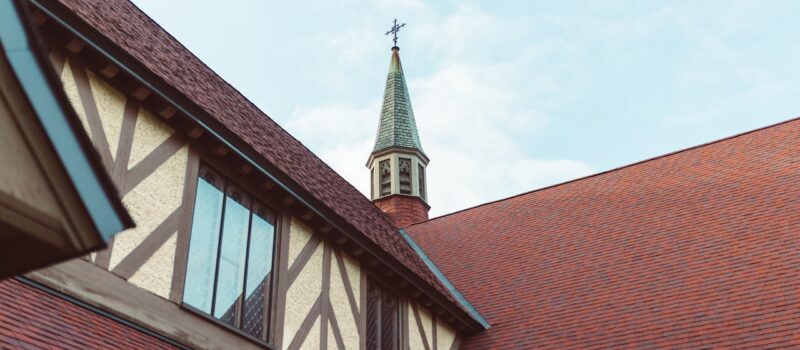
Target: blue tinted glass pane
[
  {"x": 231, "y": 260},
  {"x": 259, "y": 265},
  {"x": 203, "y": 244}
]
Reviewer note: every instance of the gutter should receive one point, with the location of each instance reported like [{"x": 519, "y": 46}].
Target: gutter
[
  {"x": 410, "y": 275},
  {"x": 450, "y": 287}
]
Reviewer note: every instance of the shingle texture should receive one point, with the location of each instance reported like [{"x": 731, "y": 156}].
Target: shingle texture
[
  {"x": 693, "y": 250},
  {"x": 397, "y": 126},
  {"x": 139, "y": 36},
  {"x": 33, "y": 319}
]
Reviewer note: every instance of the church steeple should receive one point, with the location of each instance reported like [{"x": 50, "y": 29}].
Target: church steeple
[
  {"x": 397, "y": 163},
  {"x": 397, "y": 126}
]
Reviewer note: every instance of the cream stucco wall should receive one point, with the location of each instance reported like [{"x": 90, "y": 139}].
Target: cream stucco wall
[
  {"x": 445, "y": 334},
  {"x": 159, "y": 194},
  {"x": 347, "y": 322},
  {"x": 155, "y": 197},
  {"x": 305, "y": 290},
  {"x": 301, "y": 295}
]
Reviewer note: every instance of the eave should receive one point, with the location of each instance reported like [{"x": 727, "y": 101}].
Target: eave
[{"x": 183, "y": 115}]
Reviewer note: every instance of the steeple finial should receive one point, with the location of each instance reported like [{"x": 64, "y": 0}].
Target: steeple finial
[{"x": 395, "y": 28}]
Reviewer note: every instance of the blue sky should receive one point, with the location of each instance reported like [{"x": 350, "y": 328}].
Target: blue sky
[{"x": 509, "y": 95}]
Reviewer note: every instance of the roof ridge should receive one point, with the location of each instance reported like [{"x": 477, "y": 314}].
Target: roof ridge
[
  {"x": 241, "y": 94},
  {"x": 769, "y": 126}
]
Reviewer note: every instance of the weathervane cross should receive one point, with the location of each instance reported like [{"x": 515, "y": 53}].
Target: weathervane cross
[{"x": 394, "y": 30}]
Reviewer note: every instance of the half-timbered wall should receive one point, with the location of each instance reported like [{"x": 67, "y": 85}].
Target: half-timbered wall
[
  {"x": 321, "y": 290},
  {"x": 148, "y": 162},
  {"x": 427, "y": 332}
]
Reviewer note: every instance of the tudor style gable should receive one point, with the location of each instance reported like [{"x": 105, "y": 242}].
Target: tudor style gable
[{"x": 229, "y": 250}]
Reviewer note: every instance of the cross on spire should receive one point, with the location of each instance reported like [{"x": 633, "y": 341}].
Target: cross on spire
[{"x": 395, "y": 28}]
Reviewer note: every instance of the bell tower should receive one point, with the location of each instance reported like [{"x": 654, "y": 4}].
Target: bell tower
[{"x": 397, "y": 163}]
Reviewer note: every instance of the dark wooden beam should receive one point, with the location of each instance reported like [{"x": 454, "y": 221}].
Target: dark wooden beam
[
  {"x": 221, "y": 151},
  {"x": 75, "y": 45},
  {"x": 195, "y": 132},
  {"x": 140, "y": 93},
  {"x": 38, "y": 18},
  {"x": 167, "y": 112},
  {"x": 245, "y": 169},
  {"x": 109, "y": 70}
]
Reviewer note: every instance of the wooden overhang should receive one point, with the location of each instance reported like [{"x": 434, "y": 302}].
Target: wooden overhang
[
  {"x": 96, "y": 52},
  {"x": 56, "y": 200}
]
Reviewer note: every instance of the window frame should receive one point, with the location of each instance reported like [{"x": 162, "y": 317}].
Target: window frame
[
  {"x": 400, "y": 309},
  {"x": 271, "y": 303}
]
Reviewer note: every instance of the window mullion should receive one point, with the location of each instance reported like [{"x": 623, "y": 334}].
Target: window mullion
[
  {"x": 219, "y": 247},
  {"x": 246, "y": 265}
]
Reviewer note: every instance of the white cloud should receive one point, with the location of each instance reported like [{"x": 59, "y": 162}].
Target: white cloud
[{"x": 472, "y": 119}]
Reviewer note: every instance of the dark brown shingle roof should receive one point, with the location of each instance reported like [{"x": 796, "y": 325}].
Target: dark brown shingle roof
[
  {"x": 695, "y": 249},
  {"x": 139, "y": 36}
]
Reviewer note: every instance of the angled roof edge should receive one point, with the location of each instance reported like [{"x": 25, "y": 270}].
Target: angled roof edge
[
  {"x": 397, "y": 126},
  {"x": 446, "y": 282},
  {"x": 35, "y": 76},
  {"x": 354, "y": 215},
  {"x": 646, "y": 160}
]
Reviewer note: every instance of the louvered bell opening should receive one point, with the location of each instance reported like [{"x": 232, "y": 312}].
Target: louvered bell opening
[
  {"x": 385, "y": 170},
  {"x": 405, "y": 176}
]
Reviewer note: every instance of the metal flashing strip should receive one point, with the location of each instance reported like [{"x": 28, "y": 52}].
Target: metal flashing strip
[
  {"x": 450, "y": 287},
  {"x": 185, "y": 111},
  {"x": 178, "y": 106},
  {"x": 17, "y": 47},
  {"x": 36, "y": 285}
]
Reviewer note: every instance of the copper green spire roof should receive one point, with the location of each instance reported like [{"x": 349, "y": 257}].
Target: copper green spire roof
[{"x": 397, "y": 127}]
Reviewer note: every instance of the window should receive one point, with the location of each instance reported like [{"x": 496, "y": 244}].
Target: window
[
  {"x": 385, "y": 172},
  {"x": 421, "y": 175},
  {"x": 228, "y": 271},
  {"x": 383, "y": 318},
  {"x": 405, "y": 176}
]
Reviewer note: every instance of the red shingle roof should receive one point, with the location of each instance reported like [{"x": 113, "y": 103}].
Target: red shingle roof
[
  {"x": 139, "y": 36},
  {"x": 695, "y": 249},
  {"x": 33, "y": 319}
]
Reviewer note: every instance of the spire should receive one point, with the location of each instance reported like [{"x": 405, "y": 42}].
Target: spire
[
  {"x": 397, "y": 126},
  {"x": 397, "y": 164}
]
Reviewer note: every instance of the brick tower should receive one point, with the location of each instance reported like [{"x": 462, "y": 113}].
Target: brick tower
[{"x": 397, "y": 163}]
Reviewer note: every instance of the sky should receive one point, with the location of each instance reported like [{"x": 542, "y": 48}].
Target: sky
[{"x": 509, "y": 96}]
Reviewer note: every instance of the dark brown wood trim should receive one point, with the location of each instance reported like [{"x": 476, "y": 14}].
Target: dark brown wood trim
[
  {"x": 434, "y": 341},
  {"x": 281, "y": 268},
  {"x": 347, "y": 287},
  {"x": 326, "y": 296},
  {"x": 103, "y": 257},
  {"x": 125, "y": 144},
  {"x": 57, "y": 59},
  {"x": 185, "y": 225},
  {"x": 139, "y": 255},
  {"x": 305, "y": 327},
  {"x": 108, "y": 292},
  {"x": 404, "y": 324},
  {"x": 190, "y": 113},
  {"x": 337, "y": 332},
  {"x": 302, "y": 258},
  {"x": 362, "y": 319},
  {"x": 99, "y": 138},
  {"x": 162, "y": 153},
  {"x": 420, "y": 326}
]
